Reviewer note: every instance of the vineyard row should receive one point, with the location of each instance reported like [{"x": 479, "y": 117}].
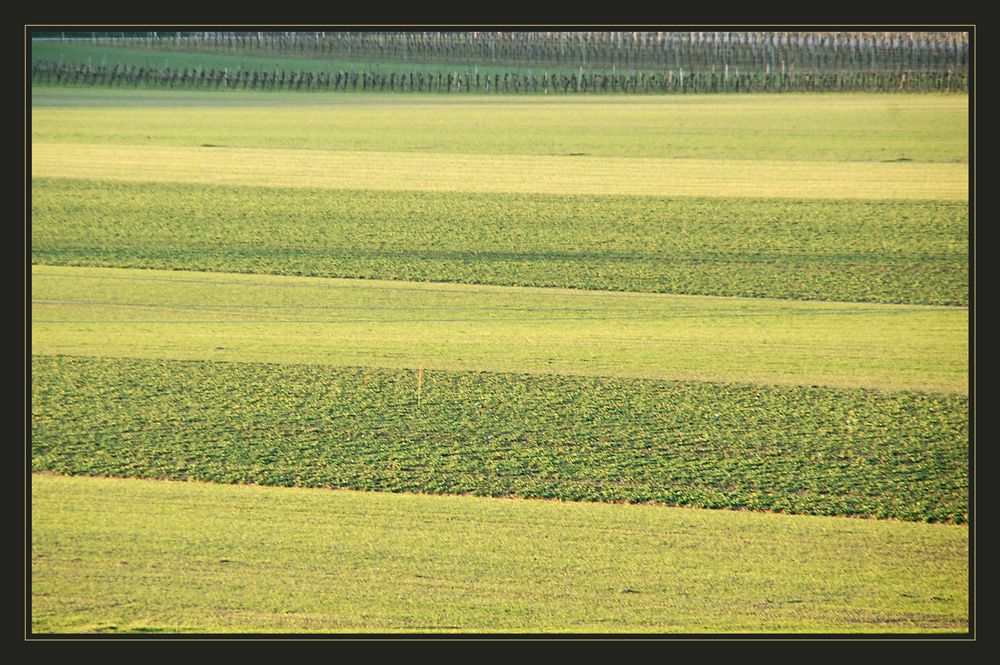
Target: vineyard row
[
  {"x": 750, "y": 51},
  {"x": 678, "y": 81}
]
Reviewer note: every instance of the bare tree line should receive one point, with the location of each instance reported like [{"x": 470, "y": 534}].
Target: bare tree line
[{"x": 747, "y": 51}]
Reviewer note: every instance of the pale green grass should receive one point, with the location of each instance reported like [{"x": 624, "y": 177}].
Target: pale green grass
[
  {"x": 256, "y": 318},
  {"x": 128, "y": 556},
  {"x": 809, "y": 146},
  {"x": 793, "y": 127}
]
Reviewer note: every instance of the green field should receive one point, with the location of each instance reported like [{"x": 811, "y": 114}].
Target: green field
[
  {"x": 798, "y": 450},
  {"x": 862, "y": 251},
  {"x": 757, "y": 304},
  {"x": 859, "y": 129}
]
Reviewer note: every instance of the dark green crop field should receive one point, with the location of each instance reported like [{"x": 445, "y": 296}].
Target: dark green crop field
[
  {"x": 890, "y": 251},
  {"x": 798, "y": 450}
]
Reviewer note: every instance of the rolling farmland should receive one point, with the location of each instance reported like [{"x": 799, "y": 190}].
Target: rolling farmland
[{"x": 684, "y": 303}]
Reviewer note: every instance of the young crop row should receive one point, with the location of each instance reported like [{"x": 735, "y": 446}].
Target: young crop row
[
  {"x": 794, "y": 450},
  {"x": 861, "y": 251},
  {"x": 408, "y": 79}
]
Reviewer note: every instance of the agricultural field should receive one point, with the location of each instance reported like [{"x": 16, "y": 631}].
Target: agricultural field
[{"x": 364, "y": 328}]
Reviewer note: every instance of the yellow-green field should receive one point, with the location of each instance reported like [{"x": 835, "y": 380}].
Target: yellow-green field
[
  {"x": 798, "y": 146},
  {"x": 128, "y": 556}
]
